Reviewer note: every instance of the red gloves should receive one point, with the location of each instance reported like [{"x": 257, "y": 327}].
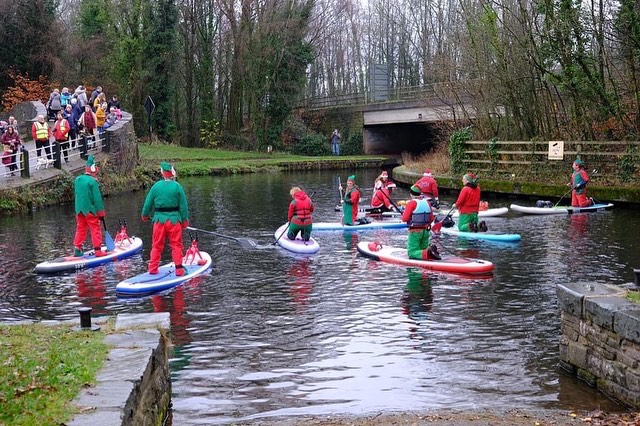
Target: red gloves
[{"x": 144, "y": 218}]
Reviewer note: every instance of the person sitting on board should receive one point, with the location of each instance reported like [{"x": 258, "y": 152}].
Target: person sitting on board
[
  {"x": 350, "y": 201},
  {"x": 384, "y": 182},
  {"x": 381, "y": 200},
  {"x": 429, "y": 188},
  {"x": 89, "y": 209},
  {"x": 167, "y": 200},
  {"x": 468, "y": 204},
  {"x": 418, "y": 215},
  {"x": 299, "y": 215},
  {"x": 579, "y": 181}
]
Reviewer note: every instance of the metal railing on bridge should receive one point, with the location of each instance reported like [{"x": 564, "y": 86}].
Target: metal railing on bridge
[{"x": 402, "y": 93}]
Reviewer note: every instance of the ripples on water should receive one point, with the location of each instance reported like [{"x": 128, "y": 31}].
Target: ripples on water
[{"x": 268, "y": 333}]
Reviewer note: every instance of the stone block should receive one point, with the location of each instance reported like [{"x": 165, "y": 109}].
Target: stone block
[
  {"x": 632, "y": 379},
  {"x": 587, "y": 376},
  {"x": 629, "y": 353},
  {"x": 602, "y": 309},
  {"x": 569, "y": 300},
  {"x": 139, "y": 321},
  {"x": 626, "y": 322},
  {"x": 574, "y": 354}
]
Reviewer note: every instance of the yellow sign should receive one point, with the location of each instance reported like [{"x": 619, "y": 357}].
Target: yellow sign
[{"x": 556, "y": 150}]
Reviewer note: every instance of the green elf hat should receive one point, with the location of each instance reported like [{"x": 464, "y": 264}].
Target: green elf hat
[
  {"x": 90, "y": 167},
  {"x": 352, "y": 178},
  {"x": 579, "y": 162},
  {"x": 415, "y": 190},
  {"x": 470, "y": 177},
  {"x": 167, "y": 170}
]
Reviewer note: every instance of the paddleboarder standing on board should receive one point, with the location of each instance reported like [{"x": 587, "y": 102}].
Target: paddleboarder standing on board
[
  {"x": 299, "y": 215},
  {"x": 429, "y": 188},
  {"x": 89, "y": 209},
  {"x": 418, "y": 215},
  {"x": 350, "y": 201},
  {"x": 167, "y": 200},
  {"x": 579, "y": 181}
]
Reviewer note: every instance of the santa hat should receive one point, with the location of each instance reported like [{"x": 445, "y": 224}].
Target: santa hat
[
  {"x": 167, "y": 170},
  {"x": 427, "y": 173},
  {"x": 90, "y": 167}
]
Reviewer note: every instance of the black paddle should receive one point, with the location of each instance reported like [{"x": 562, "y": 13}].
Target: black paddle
[
  {"x": 391, "y": 201},
  {"x": 244, "y": 242},
  {"x": 564, "y": 195}
]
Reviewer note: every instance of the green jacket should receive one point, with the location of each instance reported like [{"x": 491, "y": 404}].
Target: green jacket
[
  {"x": 168, "y": 201},
  {"x": 88, "y": 198}
]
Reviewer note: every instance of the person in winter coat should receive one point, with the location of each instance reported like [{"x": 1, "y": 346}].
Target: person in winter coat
[
  {"x": 579, "y": 181},
  {"x": 350, "y": 201},
  {"x": 65, "y": 97},
  {"x": 54, "y": 104},
  {"x": 61, "y": 130},
  {"x": 468, "y": 204},
  {"x": 168, "y": 202},
  {"x": 419, "y": 216},
  {"x": 89, "y": 209},
  {"x": 429, "y": 188},
  {"x": 89, "y": 122},
  {"x": 299, "y": 215},
  {"x": 11, "y": 141},
  {"x": 76, "y": 113},
  {"x": 113, "y": 103}
]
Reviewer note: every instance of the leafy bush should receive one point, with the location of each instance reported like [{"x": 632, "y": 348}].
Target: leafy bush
[
  {"x": 312, "y": 144},
  {"x": 353, "y": 145},
  {"x": 457, "y": 143}
]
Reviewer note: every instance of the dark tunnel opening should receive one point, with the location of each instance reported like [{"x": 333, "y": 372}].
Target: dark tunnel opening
[{"x": 393, "y": 139}]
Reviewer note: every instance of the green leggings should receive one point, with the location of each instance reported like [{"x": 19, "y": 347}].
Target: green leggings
[
  {"x": 465, "y": 220},
  {"x": 305, "y": 231},
  {"x": 417, "y": 242}
]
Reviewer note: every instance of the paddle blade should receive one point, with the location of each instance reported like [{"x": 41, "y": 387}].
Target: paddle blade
[
  {"x": 437, "y": 226},
  {"x": 247, "y": 243},
  {"x": 111, "y": 246}
]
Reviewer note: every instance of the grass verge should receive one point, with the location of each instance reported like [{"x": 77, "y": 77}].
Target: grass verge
[{"x": 42, "y": 370}]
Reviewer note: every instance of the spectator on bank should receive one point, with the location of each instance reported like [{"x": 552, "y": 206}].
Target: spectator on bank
[
  {"x": 94, "y": 95},
  {"x": 11, "y": 141},
  {"x": 65, "y": 98},
  {"x": 335, "y": 142},
  {"x": 76, "y": 113},
  {"x": 41, "y": 134},
  {"x": 61, "y": 135},
  {"x": 67, "y": 114},
  {"x": 101, "y": 116},
  {"x": 113, "y": 103},
  {"x": 99, "y": 100},
  {"x": 81, "y": 94},
  {"x": 54, "y": 104},
  {"x": 13, "y": 122},
  {"x": 110, "y": 120},
  {"x": 89, "y": 121}
]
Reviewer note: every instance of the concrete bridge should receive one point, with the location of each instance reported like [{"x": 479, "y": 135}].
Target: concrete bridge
[{"x": 409, "y": 119}]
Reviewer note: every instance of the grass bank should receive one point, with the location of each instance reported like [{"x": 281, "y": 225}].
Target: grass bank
[{"x": 43, "y": 369}]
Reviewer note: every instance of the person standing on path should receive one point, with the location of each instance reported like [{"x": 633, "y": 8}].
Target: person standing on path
[
  {"x": 41, "y": 134},
  {"x": 61, "y": 130},
  {"x": 167, "y": 200},
  {"x": 89, "y": 209},
  {"x": 335, "y": 142}
]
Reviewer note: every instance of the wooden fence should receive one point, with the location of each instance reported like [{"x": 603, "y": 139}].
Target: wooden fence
[{"x": 613, "y": 159}]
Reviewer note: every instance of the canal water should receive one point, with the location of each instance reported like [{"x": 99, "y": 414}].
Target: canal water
[{"x": 268, "y": 333}]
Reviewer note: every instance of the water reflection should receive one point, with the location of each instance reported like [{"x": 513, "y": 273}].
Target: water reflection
[{"x": 269, "y": 333}]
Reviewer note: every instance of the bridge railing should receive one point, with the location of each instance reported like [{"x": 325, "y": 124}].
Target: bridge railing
[{"x": 394, "y": 94}]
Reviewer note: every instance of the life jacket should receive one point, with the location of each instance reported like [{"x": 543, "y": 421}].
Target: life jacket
[
  {"x": 42, "y": 131},
  {"x": 301, "y": 209},
  {"x": 421, "y": 216}
]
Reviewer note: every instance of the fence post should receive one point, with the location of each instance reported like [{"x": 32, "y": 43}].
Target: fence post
[
  {"x": 57, "y": 161},
  {"x": 25, "y": 173},
  {"x": 106, "y": 143},
  {"x": 83, "y": 147}
]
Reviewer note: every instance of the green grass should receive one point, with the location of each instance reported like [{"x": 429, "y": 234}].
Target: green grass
[
  {"x": 634, "y": 296},
  {"x": 42, "y": 369}
]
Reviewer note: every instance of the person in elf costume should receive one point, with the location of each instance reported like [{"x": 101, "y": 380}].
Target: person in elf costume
[
  {"x": 429, "y": 188},
  {"x": 579, "y": 181},
  {"x": 350, "y": 201},
  {"x": 89, "y": 209},
  {"x": 468, "y": 204},
  {"x": 299, "y": 215},
  {"x": 418, "y": 215},
  {"x": 381, "y": 200},
  {"x": 167, "y": 200}
]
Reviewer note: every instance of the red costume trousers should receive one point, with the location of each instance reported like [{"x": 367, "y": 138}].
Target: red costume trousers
[
  {"x": 162, "y": 231},
  {"x": 92, "y": 222},
  {"x": 580, "y": 200}
]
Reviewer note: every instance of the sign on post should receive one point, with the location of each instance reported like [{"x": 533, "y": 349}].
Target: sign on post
[
  {"x": 556, "y": 150},
  {"x": 149, "y": 106}
]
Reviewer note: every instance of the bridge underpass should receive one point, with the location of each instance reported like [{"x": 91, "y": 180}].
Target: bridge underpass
[{"x": 414, "y": 127}]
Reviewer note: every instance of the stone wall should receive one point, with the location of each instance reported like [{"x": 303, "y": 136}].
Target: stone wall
[
  {"x": 123, "y": 144},
  {"x": 600, "y": 339}
]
